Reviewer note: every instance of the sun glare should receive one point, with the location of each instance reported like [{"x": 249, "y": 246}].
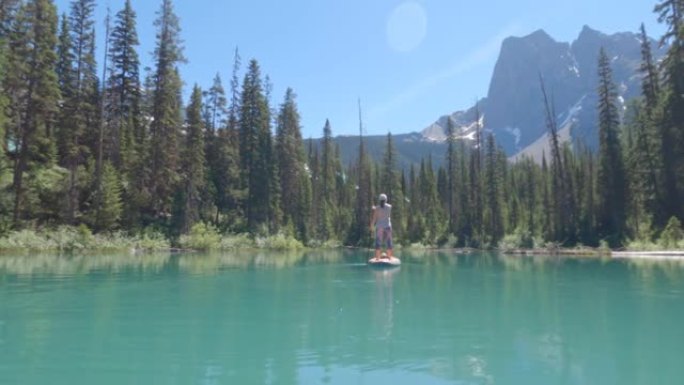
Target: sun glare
[{"x": 406, "y": 26}]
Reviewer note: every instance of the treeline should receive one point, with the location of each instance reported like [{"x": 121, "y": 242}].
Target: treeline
[{"x": 123, "y": 151}]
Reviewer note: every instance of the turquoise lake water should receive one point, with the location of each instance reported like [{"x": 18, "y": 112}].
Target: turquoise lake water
[{"x": 329, "y": 319}]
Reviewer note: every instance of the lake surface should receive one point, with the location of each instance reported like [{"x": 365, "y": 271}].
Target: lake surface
[{"x": 327, "y": 318}]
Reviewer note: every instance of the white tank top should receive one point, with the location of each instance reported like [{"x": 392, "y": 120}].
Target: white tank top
[{"x": 382, "y": 220}]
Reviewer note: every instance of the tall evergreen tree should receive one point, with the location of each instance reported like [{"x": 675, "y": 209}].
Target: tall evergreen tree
[
  {"x": 8, "y": 9},
  {"x": 6, "y": 15},
  {"x": 358, "y": 234},
  {"x": 32, "y": 84},
  {"x": 289, "y": 153},
  {"x": 125, "y": 132},
  {"x": 326, "y": 184},
  {"x": 671, "y": 12},
  {"x": 547, "y": 206},
  {"x": 475, "y": 183},
  {"x": 587, "y": 205},
  {"x": 108, "y": 217},
  {"x": 611, "y": 185},
  {"x": 494, "y": 227},
  {"x": 645, "y": 154},
  {"x": 315, "y": 217},
  {"x": 166, "y": 111},
  {"x": 390, "y": 185},
  {"x": 80, "y": 105},
  {"x": 650, "y": 86},
  {"x": 464, "y": 230},
  {"x": 215, "y": 111},
  {"x": 234, "y": 106},
  {"x": 224, "y": 160},
  {"x": 562, "y": 213},
  {"x": 193, "y": 162},
  {"x": 451, "y": 175},
  {"x": 255, "y": 149}
]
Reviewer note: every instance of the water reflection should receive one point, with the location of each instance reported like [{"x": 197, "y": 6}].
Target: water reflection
[
  {"x": 81, "y": 264},
  {"x": 383, "y": 304},
  {"x": 246, "y": 317},
  {"x": 196, "y": 263}
]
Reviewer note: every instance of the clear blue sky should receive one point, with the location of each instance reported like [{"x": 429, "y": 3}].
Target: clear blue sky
[{"x": 409, "y": 61}]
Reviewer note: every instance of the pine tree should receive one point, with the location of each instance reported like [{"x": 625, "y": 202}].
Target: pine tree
[
  {"x": 327, "y": 183},
  {"x": 546, "y": 204},
  {"x": 645, "y": 154},
  {"x": 650, "y": 87},
  {"x": 289, "y": 153},
  {"x": 4, "y": 102},
  {"x": 8, "y": 9},
  {"x": 234, "y": 107},
  {"x": 561, "y": 199},
  {"x": 641, "y": 172},
  {"x": 224, "y": 161},
  {"x": 108, "y": 217},
  {"x": 165, "y": 128},
  {"x": 316, "y": 214},
  {"x": 493, "y": 225},
  {"x": 390, "y": 185},
  {"x": 215, "y": 111},
  {"x": 193, "y": 162},
  {"x": 415, "y": 219},
  {"x": 463, "y": 229},
  {"x": 451, "y": 176},
  {"x": 429, "y": 204},
  {"x": 82, "y": 107},
  {"x": 587, "y": 206},
  {"x": 32, "y": 84},
  {"x": 671, "y": 123},
  {"x": 274, "y": 209},
  {"x": 358, "y": 235},
  {"x": 611, "y": 185},
  {"x": 125, "y": 132},
  {"x": 475, "y": 184},
  {"x": 255, "y": 149}
]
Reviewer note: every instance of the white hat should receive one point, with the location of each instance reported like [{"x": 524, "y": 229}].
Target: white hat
[{"x": 382, "y": 198}]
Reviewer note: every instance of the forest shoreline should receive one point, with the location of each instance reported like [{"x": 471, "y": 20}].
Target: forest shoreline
[{"x": 70, "y": 241}]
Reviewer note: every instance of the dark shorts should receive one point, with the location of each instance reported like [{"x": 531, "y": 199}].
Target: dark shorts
[{"x": 382, "y": 235}]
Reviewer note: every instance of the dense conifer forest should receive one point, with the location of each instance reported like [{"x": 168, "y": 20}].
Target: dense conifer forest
[{"x": 103, "y": 146}]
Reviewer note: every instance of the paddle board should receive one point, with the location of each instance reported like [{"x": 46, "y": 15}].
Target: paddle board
[{"x": 383, "y": 261}]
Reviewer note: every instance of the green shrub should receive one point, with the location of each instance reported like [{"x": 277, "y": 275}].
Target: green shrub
[
  {"x": 69, "y": 239},
  {"x": 151, "y": 240},
  {"x": 278, "y": 242},
  {"x": 447, "y": 241},
  {"x": 327, "y": 244},
  {"x": 641, "y": 245},
  {"x": 25, "y": 240},
  {"x": 236, "y": 241},
  {"x": 520, "y": 239},
  {"x": 672, "y": 235},
  {"x": 202, "y": 236}
]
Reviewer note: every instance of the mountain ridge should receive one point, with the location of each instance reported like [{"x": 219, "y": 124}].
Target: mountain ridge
[{"x": 513, "y": 108}]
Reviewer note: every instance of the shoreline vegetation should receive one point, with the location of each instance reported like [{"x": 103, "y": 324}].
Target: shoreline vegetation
[
  {"x": 136, "y": 166},
  {"x": 205, "y": 238}
]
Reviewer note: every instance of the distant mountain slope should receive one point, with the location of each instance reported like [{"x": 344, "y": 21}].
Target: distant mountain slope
[
  {"x": 513, "y": 109},
  {"x": 410, "y": 149}
]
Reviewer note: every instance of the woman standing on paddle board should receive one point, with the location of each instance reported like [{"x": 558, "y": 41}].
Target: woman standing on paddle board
[{"x": 382, "y": 225}]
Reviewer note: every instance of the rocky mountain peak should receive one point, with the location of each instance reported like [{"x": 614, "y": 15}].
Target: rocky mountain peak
[{"x": 514, "y": 109}]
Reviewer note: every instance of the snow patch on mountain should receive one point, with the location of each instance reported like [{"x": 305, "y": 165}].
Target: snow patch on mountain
[{"x": 515, "y": 132}]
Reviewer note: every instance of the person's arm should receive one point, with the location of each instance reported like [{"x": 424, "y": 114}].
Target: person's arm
[{"x": 373, "y": 219}]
